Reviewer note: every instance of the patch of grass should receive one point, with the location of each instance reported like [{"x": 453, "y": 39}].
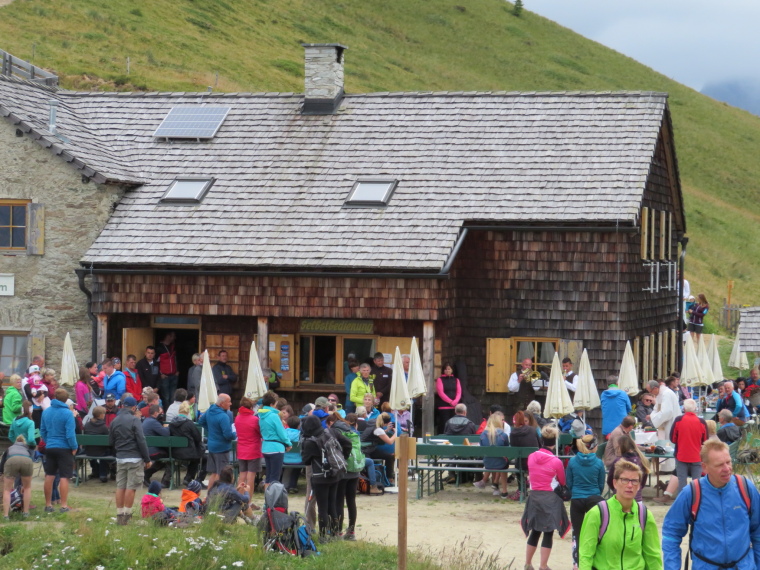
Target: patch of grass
[
  {"x": 440, "y": 48},
  {"x": 288, "y": 66}
]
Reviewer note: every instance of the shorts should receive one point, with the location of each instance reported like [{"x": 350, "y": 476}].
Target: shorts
[
  {"x": 130, "y": 475},
  {"x": 696, "y": 328},
  {"x": 249, "y": 465},
  {"x": 59, "y": 461},
  {"x": 217, "y": 461},
  {"x": 18, "y": 466}
]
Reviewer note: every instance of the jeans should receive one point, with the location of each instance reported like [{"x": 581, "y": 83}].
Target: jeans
[
  {"x": 167, "y": 387},
  {"x": 684, "y": 470},
  {"x": 369, "y": 465},
  {"x": 274, "y": 466},
  {"x": 100, "y": 467}
]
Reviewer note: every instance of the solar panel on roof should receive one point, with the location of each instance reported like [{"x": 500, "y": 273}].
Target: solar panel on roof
[{"x": 192, "y": 122}]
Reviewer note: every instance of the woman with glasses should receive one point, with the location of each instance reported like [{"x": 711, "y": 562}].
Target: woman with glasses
[
  {"x": 363, "y": 384},
  {"x": 624, "y": 545}
]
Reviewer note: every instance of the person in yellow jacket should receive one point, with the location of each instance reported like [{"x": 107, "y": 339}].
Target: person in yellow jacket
[
  {"x": 620, "y": 533},
  {"x": 364, "y": 383}
]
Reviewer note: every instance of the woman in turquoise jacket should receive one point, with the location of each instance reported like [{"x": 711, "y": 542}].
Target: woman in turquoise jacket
[
  {"x": 585, "y": 479},
  {"x": 275, "y": 441},
  {"x": 23, "y": 425}
]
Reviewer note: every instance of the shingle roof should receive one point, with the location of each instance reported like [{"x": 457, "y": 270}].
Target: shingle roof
[
  {"x": 282, "y": 177},
  {"x": 749, "y": 329}
]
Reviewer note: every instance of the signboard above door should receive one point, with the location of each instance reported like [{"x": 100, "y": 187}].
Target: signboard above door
[{"x": 337, "y": 326}]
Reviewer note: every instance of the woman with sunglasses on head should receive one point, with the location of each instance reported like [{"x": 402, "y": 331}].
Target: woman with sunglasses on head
[{"x": 626, "y": 544}]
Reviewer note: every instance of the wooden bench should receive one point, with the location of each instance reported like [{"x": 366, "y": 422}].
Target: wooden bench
[{"x": 457, "y": 459}]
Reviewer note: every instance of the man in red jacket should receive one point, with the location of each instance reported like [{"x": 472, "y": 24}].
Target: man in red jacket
[{"x": 688, "y": 434}]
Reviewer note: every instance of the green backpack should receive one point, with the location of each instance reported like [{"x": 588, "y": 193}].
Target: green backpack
[{"x": 355, "y": 461}]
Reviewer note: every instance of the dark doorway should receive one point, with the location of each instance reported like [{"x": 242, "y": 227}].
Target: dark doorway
[{"x": 186, "y": 345}]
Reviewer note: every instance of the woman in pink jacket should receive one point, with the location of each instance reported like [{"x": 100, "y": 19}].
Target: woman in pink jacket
[
  {"x": 248, "y": 443},
  {"x": 448, "y": 392},
  {"x": 544, "y": 512}
]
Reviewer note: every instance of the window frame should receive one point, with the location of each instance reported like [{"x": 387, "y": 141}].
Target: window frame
[
  {"x": 536, "y": 341},
  {"x": 23, "y": 358},
  {"x": 11, "y": 203},
  {"x": 166, "y": 199},
  {"x": 392, "y": 182}
]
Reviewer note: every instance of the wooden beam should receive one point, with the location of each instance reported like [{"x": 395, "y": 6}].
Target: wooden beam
[
  {"x": 428, "y": 361},
  {"x": 402, "y": 483},
  {"x": 644, "y": 232},
  {"x": 263, "y": 341},
  {"x": 663, "y": 233},
  {"x": 102, "y": 342},
  {"x": 652, "y": 234}
]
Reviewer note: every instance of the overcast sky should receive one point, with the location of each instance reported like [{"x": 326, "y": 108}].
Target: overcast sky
[{"x": 694, "y": 42}]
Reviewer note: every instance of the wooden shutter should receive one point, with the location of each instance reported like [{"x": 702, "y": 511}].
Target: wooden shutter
[
  {"x": 644, "y": 232},
  {"x": 498, "y": 364},
  {"x": 281, "y": 358},
  {"x": 387, "y": 345},
  {"x": 663, "y": 233},
  {"x": 645, "y": 369},
  {"x": 134, "y": 341},
  {"x": 35, "y": 243},
  {"x": 652, "y": 234},
  {"x": 35, "y": 346},
  {"x": 572, "y": 349}
]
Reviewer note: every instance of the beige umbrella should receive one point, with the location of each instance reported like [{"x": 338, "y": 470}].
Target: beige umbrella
[
  {"x": 691, "y": 372},
  {"x": 628, "y": 379},
  {"x": 717, "y": 367},
  {"x": 69, "y": 368},
  {"x": 704, "y": 361},
  {"x": 207, "y": 392},
  {"x": 558, "y": 402},
  {"x": 415, "y": 384},
  {"x": 399, "y": 397},
  {"x": 255, "y": 385},
  {"x": 738, "y": 359},
  {"x": 586, "y": 394}
]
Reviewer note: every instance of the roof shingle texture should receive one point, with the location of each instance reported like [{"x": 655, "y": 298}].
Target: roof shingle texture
[{"x": 282, "y": 178}]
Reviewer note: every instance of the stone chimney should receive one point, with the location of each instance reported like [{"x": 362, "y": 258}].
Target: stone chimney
[{"x": 323, "y": 78}]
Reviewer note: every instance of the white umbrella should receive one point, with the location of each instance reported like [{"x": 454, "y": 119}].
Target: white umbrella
[
  {"x": 586, "y": 394},
  {"x": 255, "y": 386},
  {"x": 69, "y": 368},
  {"x": 717, "y": 367},
  {"x": 691, "y": 373},
  {"x": 628, "y": 379},
  {"x": 704, "y": 361},
  {"x": 738, "y": 359},
  {"x": 558, "y": 402},
  {"x": 399, "y": 397},
  {"x": 415, "y": 384},
  {"x": 207, "y": 392}
]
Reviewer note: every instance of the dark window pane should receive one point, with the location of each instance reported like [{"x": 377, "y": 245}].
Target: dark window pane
[
  {"x": 19, "y": 216},
  {"x": 19, "y": 237},
  {"x": 5, "y": 237},
  {"x": 5, "y": 215}
]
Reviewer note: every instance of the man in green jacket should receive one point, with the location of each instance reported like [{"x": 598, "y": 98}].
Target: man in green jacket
[
  {"x": 12, "y": 400},
  {"x": 624, "y": 545}
]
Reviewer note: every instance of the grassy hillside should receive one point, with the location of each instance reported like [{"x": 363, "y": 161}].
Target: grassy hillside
[{"x": 254, "y": 45}]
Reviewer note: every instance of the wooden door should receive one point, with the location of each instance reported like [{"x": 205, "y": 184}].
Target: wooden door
[
  {"x": 134, "y": 341},
  {"x": 498, "y": 364},
  {"x": 387, "y": 345}
]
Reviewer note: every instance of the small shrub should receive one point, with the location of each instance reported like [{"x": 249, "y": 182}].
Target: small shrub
[
  {"x": 136, "y": 12},
  {"x": 518, "y": 8}
]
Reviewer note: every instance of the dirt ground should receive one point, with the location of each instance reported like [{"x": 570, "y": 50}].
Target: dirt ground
[{"x": 453, "y": 520}]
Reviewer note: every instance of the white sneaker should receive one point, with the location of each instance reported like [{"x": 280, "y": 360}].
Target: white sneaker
[
  {"x": 480, "y": 484},
  {"x": 497, "y": 493}
]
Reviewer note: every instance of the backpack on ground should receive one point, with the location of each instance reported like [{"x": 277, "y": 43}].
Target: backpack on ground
[
  {"x": 696, "y": 502},
  {"x": 604, "y": 520},
  {"x": 286, "y": 533},
  {"x": 333, "y": 462},
  {"x": 362, "y": 485},
  {"x": 356, "y": 460},
  {"x": 276, "y": 497}
]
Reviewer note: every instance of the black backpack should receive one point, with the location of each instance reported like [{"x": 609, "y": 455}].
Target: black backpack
[{"x": 333, "y": 462}]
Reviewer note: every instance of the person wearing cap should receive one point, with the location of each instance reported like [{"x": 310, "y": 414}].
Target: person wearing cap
[
  {"x": 111, "y": 409},
  {"x": 132, "y": 458},
  {"x": 32, "y": 381},
  {"x": 320, "y": 410},
  {"x": 58, "y": 430},
  {"x": 114, "y": 380}
]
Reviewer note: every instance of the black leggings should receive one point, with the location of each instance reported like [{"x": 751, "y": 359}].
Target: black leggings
[
  {"x": 347, "y": 492},
  {"x": 546, "y": 542},
  {"x": 327, "y": 507},
  {"x": 578, "y": 510}
]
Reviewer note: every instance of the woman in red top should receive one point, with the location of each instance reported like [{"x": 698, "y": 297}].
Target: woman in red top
[
  {"x": 248, "y": 443},
  {"x": 133, "y": 384},
  {"x": 448, "y": 393}
]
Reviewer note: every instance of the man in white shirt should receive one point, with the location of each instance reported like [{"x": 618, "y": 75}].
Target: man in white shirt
[
  {"x": 571, "y": 378},
  {"x": 516, "y": 379}
]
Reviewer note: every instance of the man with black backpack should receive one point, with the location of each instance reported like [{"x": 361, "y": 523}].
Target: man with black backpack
[{"x": 721, "y": 513}]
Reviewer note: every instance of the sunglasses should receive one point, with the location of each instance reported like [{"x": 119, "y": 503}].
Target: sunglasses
[{"x": 332, "y": 400}]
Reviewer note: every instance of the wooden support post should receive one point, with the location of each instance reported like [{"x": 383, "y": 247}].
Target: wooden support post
[
  {"x": 428, "y": 363},
  {"x": 102, "y": 343},
  {"x": 263, "y": 341},
  {"x": 402, "y": 483}
]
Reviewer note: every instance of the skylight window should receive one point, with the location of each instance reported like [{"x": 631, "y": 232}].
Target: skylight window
[
  {"x": 187, "y": 190},
  {"x": 371, "y": 193},
  {"x": 192, "y": 123}
]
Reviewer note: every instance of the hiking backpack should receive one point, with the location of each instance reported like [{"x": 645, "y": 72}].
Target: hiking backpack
[
  {"x": 333, "y": 462},
  {"x": 276, "y": 497},
  {"x": 696, "y": 502},
  {"x": 355, "y": 462},
  {"x": 604, "y": 520}
]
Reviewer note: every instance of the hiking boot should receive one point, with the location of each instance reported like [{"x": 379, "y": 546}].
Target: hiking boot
[
  {"x": 376, "y": 491},
  {"x": 48, "y": 509},
  {"x": 664, "y": 500},
  {"x": 480, "y": 484},
  {"x": 64, "y": 509},
  {"x": 350, "y": 534},
  {"x": 121, "y": 519}
]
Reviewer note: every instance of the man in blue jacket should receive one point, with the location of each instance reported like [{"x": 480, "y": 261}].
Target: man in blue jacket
[
  {"x": 220, "y": 436},
  {"x": 58, "y": 430},
  {"x": 732, "y": 540},
  {"x": 114, "y": 382},
  {"x": 615, "y": 406}
]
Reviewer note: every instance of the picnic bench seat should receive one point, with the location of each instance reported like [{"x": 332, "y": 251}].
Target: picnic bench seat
[{"x": 457, "y": 459}]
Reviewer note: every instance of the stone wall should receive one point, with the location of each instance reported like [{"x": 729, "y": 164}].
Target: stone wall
[{"x": 48, "y": 302}]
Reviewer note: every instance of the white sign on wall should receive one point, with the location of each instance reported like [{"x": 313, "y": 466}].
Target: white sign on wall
[{"x": 7, "y": 282}]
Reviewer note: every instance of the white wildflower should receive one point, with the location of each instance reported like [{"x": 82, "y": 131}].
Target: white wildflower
[{"x": 239, "y": 563}]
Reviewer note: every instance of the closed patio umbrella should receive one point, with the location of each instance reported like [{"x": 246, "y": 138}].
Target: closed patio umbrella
[
  {"x": 207, "y": 392},
  {"x": 399, "y": 397},
  {"x": 704, "y": 361},
  {"x": 717, "y": 367},
  {"x": 691, "y": 373},
  {"x": 586, "y": 394},
  {"x": 255, "y": 385},
  {"x": 69, "y": 368},
  {"x": 558, "y": 402},
  {"x": 415, "y": 383},
  {"x": 738, "y": 359},
  {"x": 628, "y": 379}
]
